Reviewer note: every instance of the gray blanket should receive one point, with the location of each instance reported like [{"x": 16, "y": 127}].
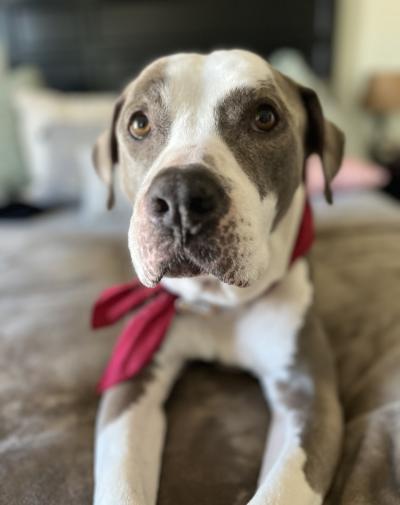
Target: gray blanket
[{"x": 50, "y": 361}]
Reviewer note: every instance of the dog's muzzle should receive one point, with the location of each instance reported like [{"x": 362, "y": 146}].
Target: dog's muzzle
[
  {"x": 183, "y": 227},
  {"x": 185, "y": 202}
]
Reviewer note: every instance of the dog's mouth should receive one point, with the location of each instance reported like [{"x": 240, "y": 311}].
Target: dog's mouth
[
  {"x": 215, "y": 255},
  {"x": 184, "y": 266},
  {"x": 181, "y": 265}
]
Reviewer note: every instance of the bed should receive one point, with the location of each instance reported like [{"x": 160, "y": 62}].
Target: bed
[{"x": 52, "y": 269}]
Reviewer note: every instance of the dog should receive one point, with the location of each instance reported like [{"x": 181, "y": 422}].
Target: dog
[{"x": 211, "y": 152}]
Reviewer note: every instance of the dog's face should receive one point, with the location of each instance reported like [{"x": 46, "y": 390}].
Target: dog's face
[{"x": 211, "y": 151}]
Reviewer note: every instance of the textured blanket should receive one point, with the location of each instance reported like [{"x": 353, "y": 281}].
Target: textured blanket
[{"x": 50, "y": 362}]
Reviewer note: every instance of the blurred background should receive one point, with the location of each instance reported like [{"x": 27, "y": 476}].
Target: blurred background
[{"x": 63, "y": 62}]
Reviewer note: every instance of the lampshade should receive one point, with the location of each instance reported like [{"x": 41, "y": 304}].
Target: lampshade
[{"x": 383, "y": 93}]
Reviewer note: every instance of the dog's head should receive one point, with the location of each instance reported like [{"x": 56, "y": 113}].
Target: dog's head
[{"x": 211, "y": 151}]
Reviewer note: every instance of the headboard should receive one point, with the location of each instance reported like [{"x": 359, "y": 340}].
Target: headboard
[{"x": 99, "y": 44}]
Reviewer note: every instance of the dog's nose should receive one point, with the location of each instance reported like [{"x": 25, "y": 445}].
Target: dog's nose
[{"x": 187, "y": 198}]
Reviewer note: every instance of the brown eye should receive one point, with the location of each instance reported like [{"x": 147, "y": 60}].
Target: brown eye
[
  {"x": 265, "y": 118},
  {"x": 139, "y": 125}
]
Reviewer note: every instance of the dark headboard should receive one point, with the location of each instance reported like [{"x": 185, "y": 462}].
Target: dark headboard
[{"x": 99, "y": 44}]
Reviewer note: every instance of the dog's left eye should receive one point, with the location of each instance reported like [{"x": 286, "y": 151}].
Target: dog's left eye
[
  {"x": 139, "y": 125},
  {"x": 265, "y": 118}
]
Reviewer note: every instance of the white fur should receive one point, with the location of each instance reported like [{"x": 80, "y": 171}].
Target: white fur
[
  {"x": 286, "y": 483},
  {"x": 282, "y": 479},
  {"x": 260, "y": 337},
  {"x": 128, "y": 450}
]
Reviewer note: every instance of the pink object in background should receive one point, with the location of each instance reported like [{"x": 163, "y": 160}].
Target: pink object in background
[{"x": 354, "y": 174}]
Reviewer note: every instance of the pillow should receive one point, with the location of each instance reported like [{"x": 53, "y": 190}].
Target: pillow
[
  {"x": 354, "y": 174},
  {"x": 13, "y": 172},
  {"x": 54, "y": 127}
]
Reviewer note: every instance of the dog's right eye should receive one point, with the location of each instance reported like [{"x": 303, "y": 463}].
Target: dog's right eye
[{"x": 139, "y": 125}]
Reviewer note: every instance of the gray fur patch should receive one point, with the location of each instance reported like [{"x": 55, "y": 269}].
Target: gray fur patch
[
  {"x": 311, "y": 393},
  {"x": 272, "y": 160},
  {"x": 146, "y": 94},
  {"x": 120, "y": 397}
]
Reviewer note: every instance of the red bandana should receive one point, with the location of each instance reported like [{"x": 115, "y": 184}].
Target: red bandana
[{"x": 146, "y": 330}]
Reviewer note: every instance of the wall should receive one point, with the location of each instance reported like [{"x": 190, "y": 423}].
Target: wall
[{"x": 367, "y": 40}]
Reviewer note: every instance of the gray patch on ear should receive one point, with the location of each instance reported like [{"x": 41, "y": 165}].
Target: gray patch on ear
[{"x": 322, "y": 138}]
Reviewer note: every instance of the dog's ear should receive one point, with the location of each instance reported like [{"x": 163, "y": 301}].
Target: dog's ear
[
  {"x": 105, "y": 153},
  {"x": 322, "y": 138}
]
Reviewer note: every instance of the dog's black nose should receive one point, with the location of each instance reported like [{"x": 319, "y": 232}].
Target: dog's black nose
[{"x": 186, "y": 199}]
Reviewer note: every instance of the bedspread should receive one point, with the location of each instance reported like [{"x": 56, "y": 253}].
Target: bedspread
[{"x": 50, "y": 362}]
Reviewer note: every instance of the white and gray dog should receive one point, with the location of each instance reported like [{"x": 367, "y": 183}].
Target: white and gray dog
[{"x": 211, "y": 151}]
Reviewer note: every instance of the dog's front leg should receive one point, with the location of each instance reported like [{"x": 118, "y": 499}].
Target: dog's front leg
[
  {"x": 130, "y": 435},
  {"x": 305, "y": 436}
]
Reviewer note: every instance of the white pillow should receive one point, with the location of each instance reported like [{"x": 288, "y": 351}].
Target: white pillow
[
  {"x": 94, "y": 194},
  {"x": 13, "y": 173},
  {"x": 54, "y": 128}
]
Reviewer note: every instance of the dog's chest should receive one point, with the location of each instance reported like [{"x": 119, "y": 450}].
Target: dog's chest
[{"x": 260, "y": 336}]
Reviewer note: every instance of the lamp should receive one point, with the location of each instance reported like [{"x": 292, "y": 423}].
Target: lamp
[{"x": 383, "y": 93}]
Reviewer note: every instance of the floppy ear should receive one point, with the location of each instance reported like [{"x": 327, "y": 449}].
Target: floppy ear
[
  {"x": 322, "y": 138},
  {"x": 105, "y": 153}
]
